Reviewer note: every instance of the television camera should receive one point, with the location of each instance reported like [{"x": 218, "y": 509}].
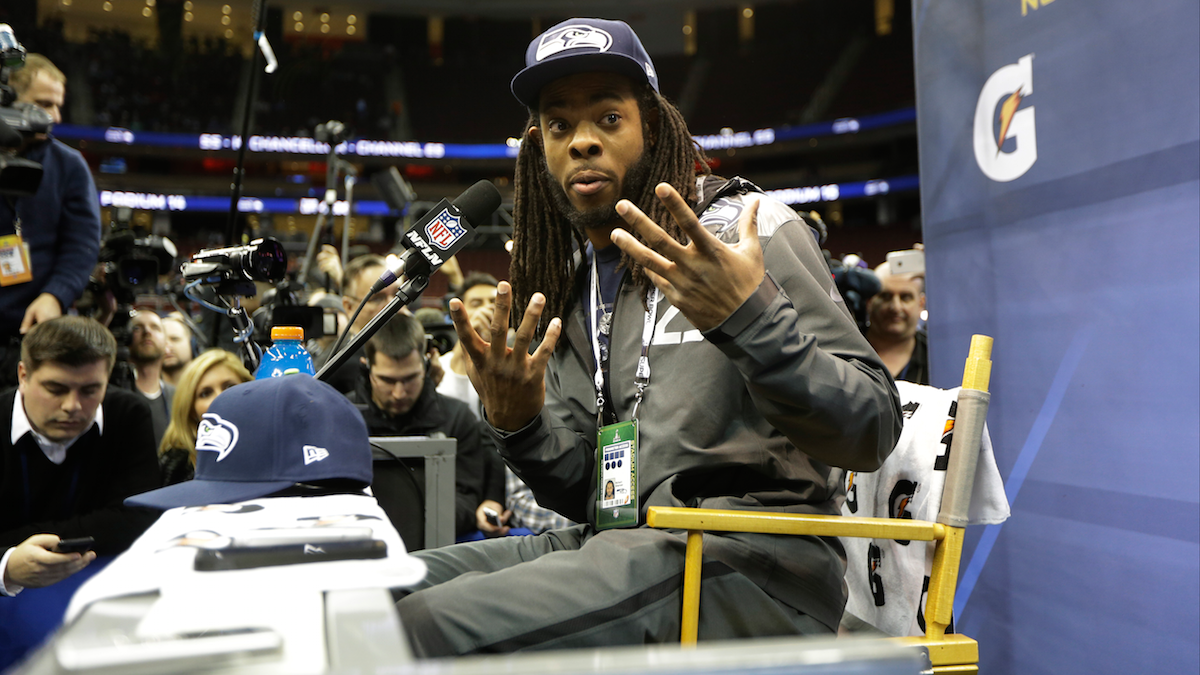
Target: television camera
[
  {"x": 131, "y": 259},
  {"x": 19, "y": 122},
  {"x": 129, "y": 265}
]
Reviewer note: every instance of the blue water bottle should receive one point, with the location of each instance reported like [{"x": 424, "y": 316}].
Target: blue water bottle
[{"x": 287, "y": 356}]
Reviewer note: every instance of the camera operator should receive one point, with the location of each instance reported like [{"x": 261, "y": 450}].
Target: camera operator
[
  {"x": 59, "y": 223},
  {"x": 147, "y": 350}
]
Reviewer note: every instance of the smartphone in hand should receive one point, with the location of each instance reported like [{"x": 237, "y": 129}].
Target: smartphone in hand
[
  {"x": 76, "y": 545},
  {"x": 490, "y": 515},
  {"x": 906, "y": 262}
]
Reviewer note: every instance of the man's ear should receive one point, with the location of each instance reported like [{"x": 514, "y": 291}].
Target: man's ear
[
  {"x": 652, "y": 118},
  {"x": 22, "y": 375},
  {"x": 535, "y": 134}
]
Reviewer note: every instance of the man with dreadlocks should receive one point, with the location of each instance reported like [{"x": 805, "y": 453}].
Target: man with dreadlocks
[{"x": 704, "y": 361}]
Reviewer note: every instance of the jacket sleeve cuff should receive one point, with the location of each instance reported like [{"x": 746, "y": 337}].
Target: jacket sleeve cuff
[
  {"x": 506, "y": 438},
  {"x": 745, "y": 315},
  {"x": 14, "y": 588},
  {"x": 60, "y": 293}
]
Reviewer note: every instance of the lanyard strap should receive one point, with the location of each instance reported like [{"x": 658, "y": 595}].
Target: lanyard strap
[
  {"x": 12, "y": 204},
  {"x": 642, "y": 376}
]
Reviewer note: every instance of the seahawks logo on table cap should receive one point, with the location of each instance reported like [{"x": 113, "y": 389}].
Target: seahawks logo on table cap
[
  {"x": 216, "y": 435},
  {"x": 573, "y": 36}
]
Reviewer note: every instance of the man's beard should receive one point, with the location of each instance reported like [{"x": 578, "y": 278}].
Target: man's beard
[
  {"x": 600, "y": 216},
  {"x": 145, "y": 355}
]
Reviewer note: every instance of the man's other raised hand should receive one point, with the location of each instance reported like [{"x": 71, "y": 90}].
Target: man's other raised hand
[
  {"x": 706, "y": 279},
  {"x": 510, "y": 381}
]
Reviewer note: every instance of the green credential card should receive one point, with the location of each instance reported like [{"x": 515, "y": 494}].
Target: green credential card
[{"x": 616, "y": 460}]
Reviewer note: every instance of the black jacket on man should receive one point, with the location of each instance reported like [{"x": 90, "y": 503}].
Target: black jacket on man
[
  {"x": 478, "y": 469},
  {"x": 83, "y": 495},
  {"x": 917, "y": 369}
]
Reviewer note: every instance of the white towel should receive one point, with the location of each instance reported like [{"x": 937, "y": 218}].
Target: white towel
[{"x": 888, "y": 579}]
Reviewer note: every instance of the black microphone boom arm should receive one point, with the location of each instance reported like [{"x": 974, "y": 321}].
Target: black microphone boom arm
[{"x": 408, "y": 291}]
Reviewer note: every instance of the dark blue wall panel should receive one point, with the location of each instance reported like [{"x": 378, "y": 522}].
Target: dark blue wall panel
[{"x": 1086, "y": 270}]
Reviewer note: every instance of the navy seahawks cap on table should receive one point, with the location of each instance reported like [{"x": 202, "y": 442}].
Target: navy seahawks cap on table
[
  {"x": 582, "y": 46},
  {"x": 265, "y": 435}
]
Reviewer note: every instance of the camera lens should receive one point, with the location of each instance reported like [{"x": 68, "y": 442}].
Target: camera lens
[{"x": 267, "y": 262}]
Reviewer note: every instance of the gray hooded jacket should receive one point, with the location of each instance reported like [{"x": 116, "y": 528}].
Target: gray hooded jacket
[{"x": 755, "y": 414}]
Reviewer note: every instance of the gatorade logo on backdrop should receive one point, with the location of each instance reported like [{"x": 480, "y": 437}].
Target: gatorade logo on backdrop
[
  {"x": 216, "y": 435},
  {"x": 874, "y": 562},
  {"x": 573, "y": 37},
  {"x": 902, "y": 496},
  {"x": 1006, "y": 89}
]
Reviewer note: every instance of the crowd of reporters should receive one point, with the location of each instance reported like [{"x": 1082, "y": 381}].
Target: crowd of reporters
[
  {"x": 394, "y": 379},
  {"x": 65, "y": 398}
]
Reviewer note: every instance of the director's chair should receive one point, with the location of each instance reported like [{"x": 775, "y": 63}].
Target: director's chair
[{"x": 949, "y": 652}]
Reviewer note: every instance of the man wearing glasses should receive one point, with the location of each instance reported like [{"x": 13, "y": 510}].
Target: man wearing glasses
[{"x": 399, "y": 398}]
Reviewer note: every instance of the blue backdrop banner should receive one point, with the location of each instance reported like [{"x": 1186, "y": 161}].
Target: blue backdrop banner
[{"x": 1060, "y": 187}]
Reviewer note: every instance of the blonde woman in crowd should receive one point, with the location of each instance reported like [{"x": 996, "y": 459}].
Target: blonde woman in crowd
[{"x": 202, "y": 380}]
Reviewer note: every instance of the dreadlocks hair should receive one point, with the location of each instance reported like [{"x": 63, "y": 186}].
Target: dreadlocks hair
[{"x": 543, "y": 249}]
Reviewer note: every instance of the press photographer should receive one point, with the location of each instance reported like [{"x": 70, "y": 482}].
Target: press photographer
[{"x": 49, "y": 238}]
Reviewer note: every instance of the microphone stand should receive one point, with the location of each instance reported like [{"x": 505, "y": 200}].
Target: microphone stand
[
  {"x": 407, "y": 292},
  {"x": 349, "y": 181},
  {"x": 243, "y": 328},
  {"x": 233, "y": 231},
  {"x": 331, "y": 174},
  {"x": 245, "y": 331}
]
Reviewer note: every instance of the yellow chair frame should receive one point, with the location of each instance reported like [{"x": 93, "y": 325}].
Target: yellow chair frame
[{"x": 949, "y": 653}]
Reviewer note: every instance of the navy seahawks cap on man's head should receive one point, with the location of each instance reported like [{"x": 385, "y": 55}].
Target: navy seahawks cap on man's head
[
  {"x": 266, "y": 435},
  {"x": 582, "y": 46}
]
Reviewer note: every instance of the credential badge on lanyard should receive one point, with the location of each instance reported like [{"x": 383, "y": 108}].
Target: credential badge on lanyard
[
  {"x": 617, "y": 444},
  {"x": 14, "y": 257}
]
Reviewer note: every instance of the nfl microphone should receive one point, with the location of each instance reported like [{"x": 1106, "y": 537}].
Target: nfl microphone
[
  {"x": 441, "y": 233},
  {"x": 430, "y": 242}
]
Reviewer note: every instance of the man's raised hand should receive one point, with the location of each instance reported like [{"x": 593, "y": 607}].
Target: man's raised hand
[
  {"x": 510, "y": 381},
  {"x": 706, "y": 279}
]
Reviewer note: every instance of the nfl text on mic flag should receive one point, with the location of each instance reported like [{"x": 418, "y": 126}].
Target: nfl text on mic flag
[{"x": 441, "y": 233}]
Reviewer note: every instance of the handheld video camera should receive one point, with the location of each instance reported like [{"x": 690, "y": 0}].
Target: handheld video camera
[
  {"x": 18, "y": 123},
  {"x": 234, "y": 270}
]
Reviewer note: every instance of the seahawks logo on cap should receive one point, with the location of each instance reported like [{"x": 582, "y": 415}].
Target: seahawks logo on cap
[
  {"x": 574, "y": 36},
  {"x": 216, "y": 435}
]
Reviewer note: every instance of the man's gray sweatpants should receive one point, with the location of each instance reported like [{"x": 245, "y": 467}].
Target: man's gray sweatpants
[{"x": 579, "y": 588}]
